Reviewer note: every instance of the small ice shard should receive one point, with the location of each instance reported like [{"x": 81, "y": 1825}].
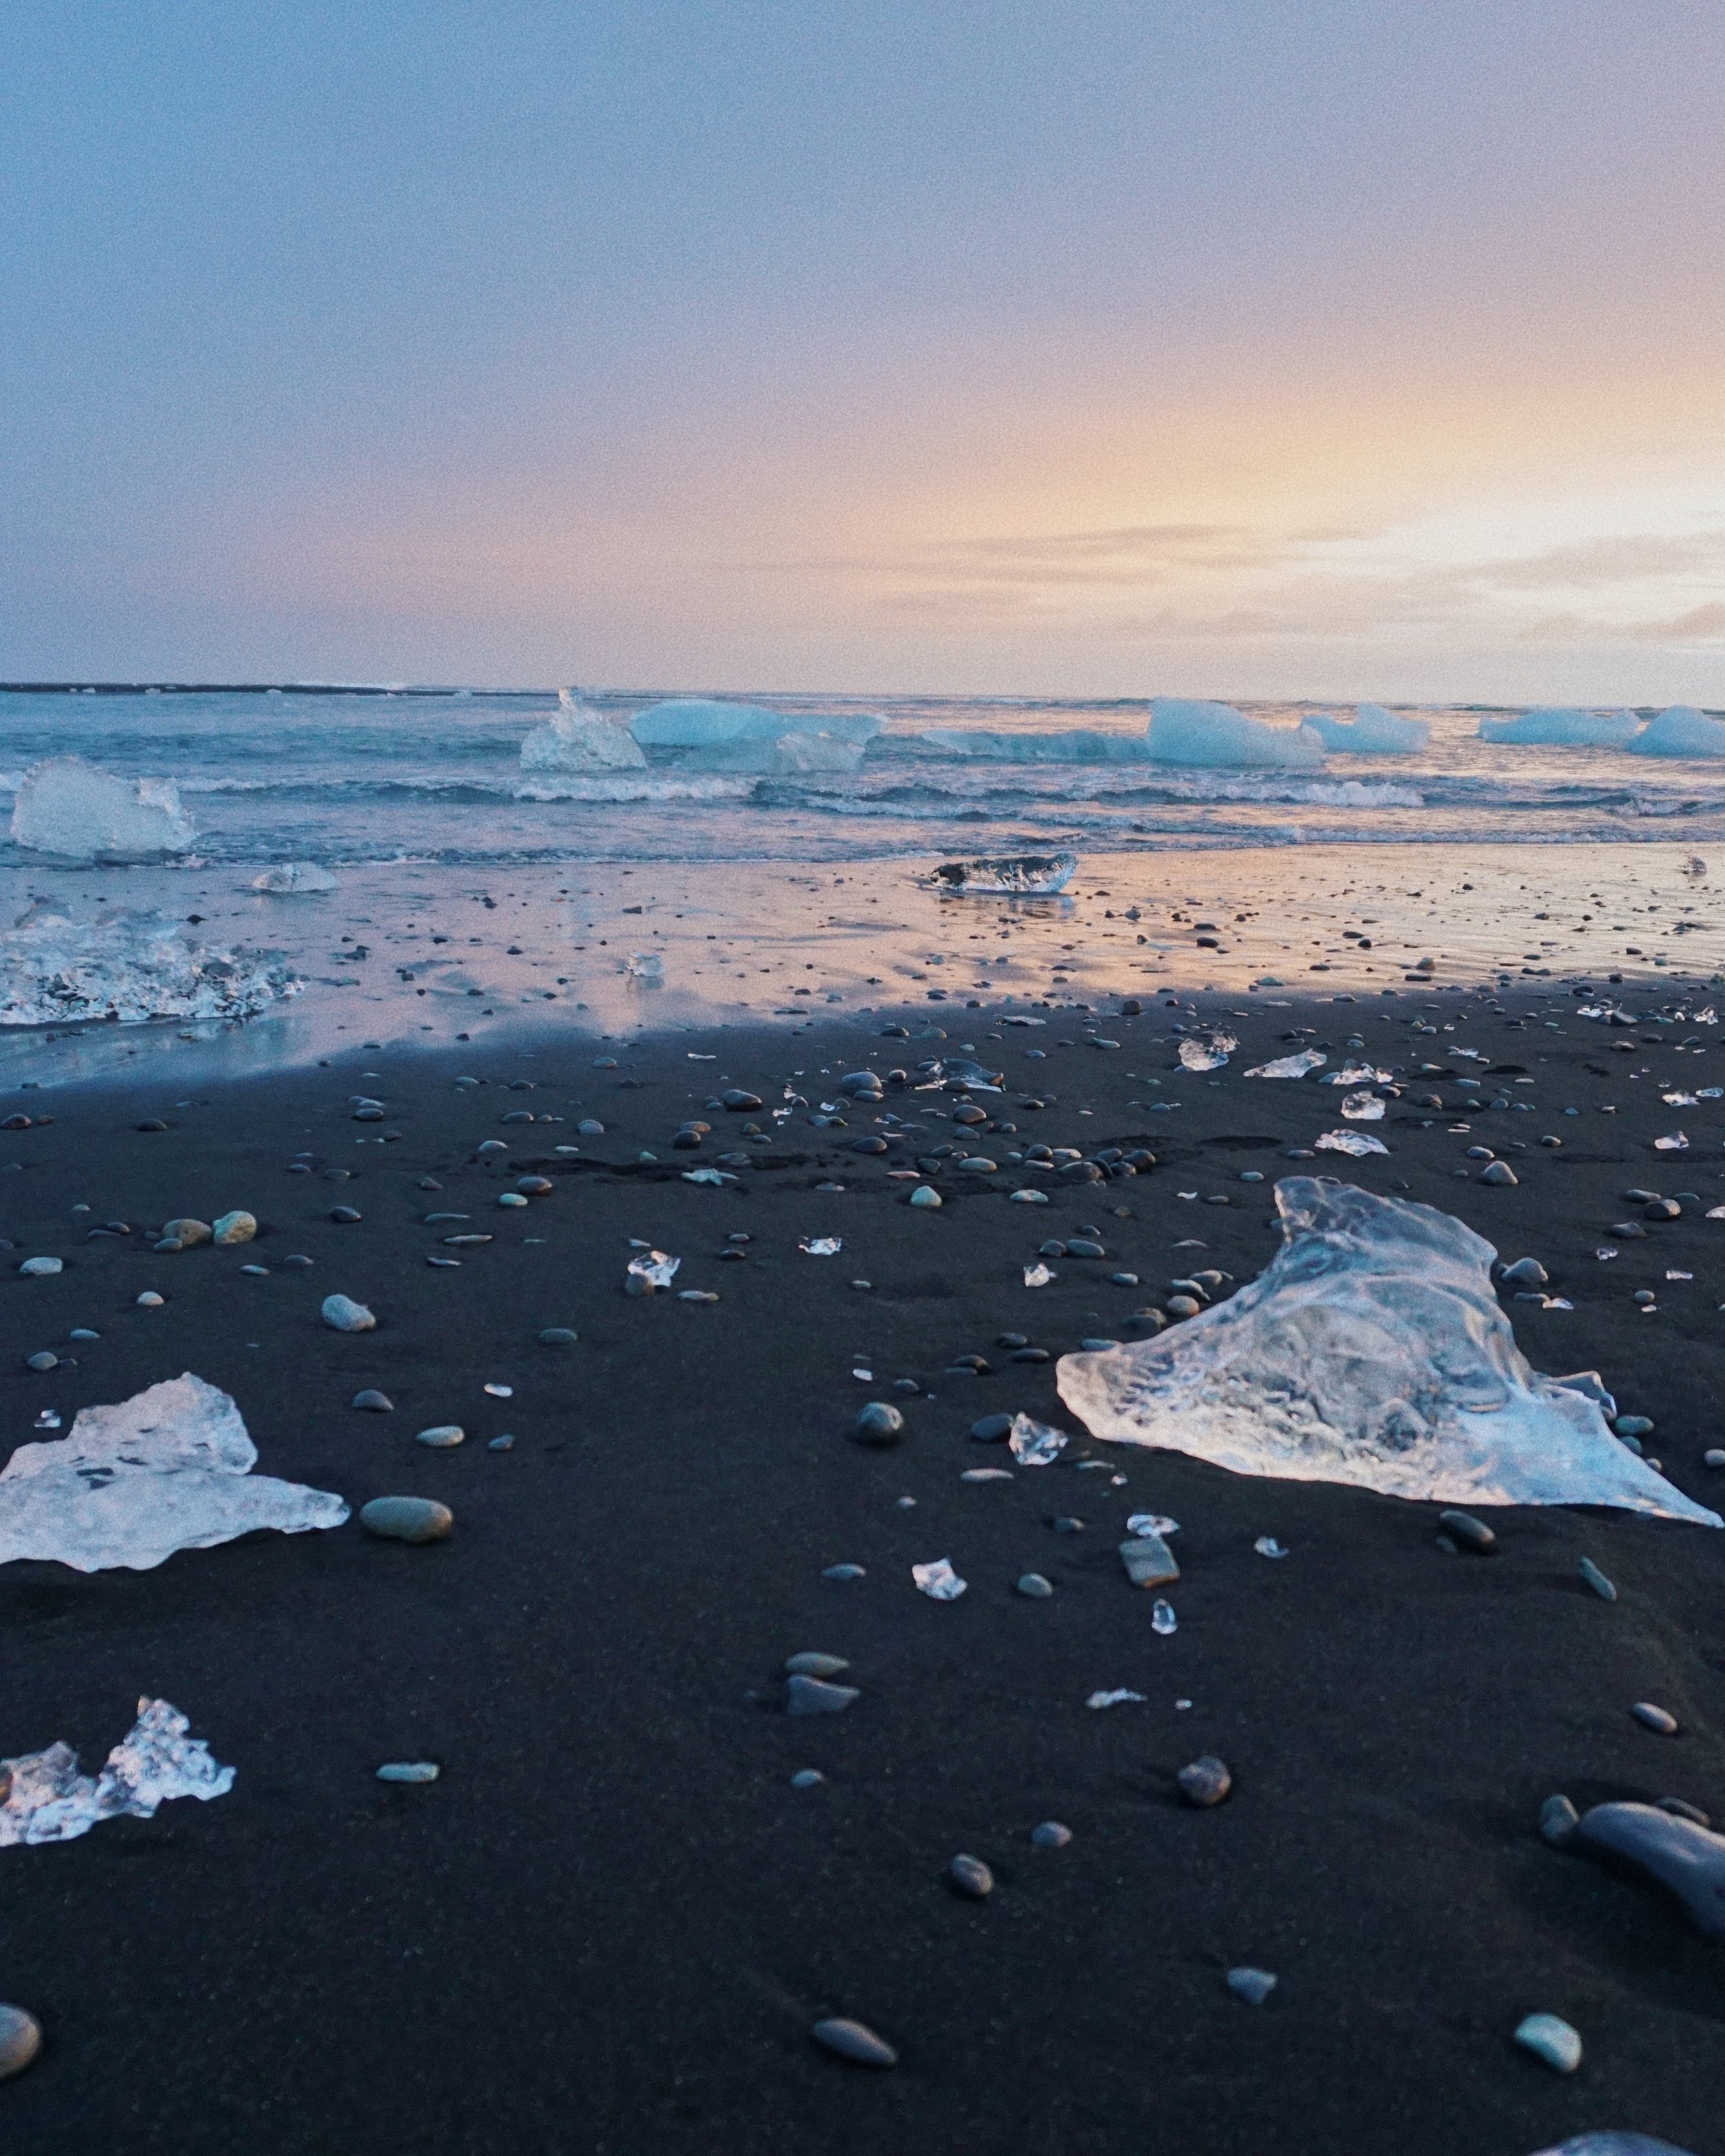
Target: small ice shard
[
  {"x": 1206, "y": 1051},
  {"x": 1677, "y": 1142},
  {"x": 1162, "y": 1620},
  {"x": 1371, "y": 732},
  {"x": 1552, "y": 727},
  {"x": 167, "y": 1470},
  {"x": 1680, "y": 731},
  {"x": 71, "y": 809},
  {"x": 715, "y": 1177},
  {"x": 1268, "y": 1546},
  {"x": 1036, "y": 1275},
  {"x": 1362, "y": 1074},
  {"x": 1372, "y": 1351},
  {"x": 47, "y": 1798},
  {"x": 1291, "y": 1066},
  {"x": 1253, "y": 1985},
  {"x": 578, "y": 738},
  {"x": 1033, "y": 1443},
  {"x": 1363, "y": 1107},
  {"x": 292, "y": 878},
  {"x": 649, "y": 1272},
  {"x": 1152, "y": 1523},
  {"x": 1100, "y": 1699},
  {"x": 645, "y": 967},
  {"x": 1358, "y": 1143},
  {"x": 821, "y": 1246},
  {"x": 699, "y": 722},
  {"x": 1217, "y": 735},
  {"x": 130, "y": 967},
  {"x": 1021, "y": 875},
  {"x": 938, "y": 1581}
]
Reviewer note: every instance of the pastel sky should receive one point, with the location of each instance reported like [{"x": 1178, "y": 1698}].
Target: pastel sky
[{"x": 1346, "y": 348}]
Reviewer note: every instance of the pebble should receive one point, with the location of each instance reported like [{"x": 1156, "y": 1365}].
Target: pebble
[
  {"x": 879, "y": 1423},
  {"x": 855, "y": 2041},
  {"x": 844, "y": 1571},
  {"x": 1050, "y": 1835},
  {"x": 257, "y": 1272},
  {"x": 1680, "y": 1809},
  {"x": 1526, "y": 1272},
  {"x": 343, "y": 1314},
  {"x": 1597, "y": 1580},
  {"x": 1633, "y": 1426},
  {"x": 923, "y": 1196},
  {"x": 809, "y": 1694},
  {"x": 816, "y": 1665},
  {"x": 373, "y": 1402},
  {"x": 82, "y": 1333},
  {"x": 1206, "y": 1782},
  {"x": 1471, "y": 1533},
  {"x": 149, "y": 1300},
  {"x": 1714, "y": 1457},
  {"x": 409, "y": 1770},
  {"x": 1035, "y": 1586},
  {"x": 235, "y": 1227},
  {"x": 536, "y": 1186},
  {"x": 558, "y": 1336},
  {"x": 971, "y": 1878},
  {"x": 1148, "y": 1561},
  {"x": 441, "y": 1436},
  {"x": 1499, "y": 1174},
  {"x": 346, "y": 1215},
  {"x": 1550, "y": 2039},
  {"x": 510, "y": 1197},
  {"x": 41, "y": 1268},
  {"x": 992, "y": 1429},
  {"x": 1253, "y": 1985},
  {"x": 44, "y": 1359},
  {"x": 20, "y": 2041},
  {"x": 1654, "y": 1718},
  {"x": 1687, "y": 1860},
  {"x": 407, "y": 1519},
  {"x": 1559, "y": 1819},
  {"x": 504, "y": 1444}
]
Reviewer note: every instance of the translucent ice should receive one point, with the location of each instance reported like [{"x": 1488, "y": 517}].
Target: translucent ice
[
  {"x": 578, "y": 739},
  {"x": 1372, "y": 1351},
  {"x": 788, "y": 757},
  {"x": 167, "y": 1470},
  {"x": 938, "y": 1581},
  {"x": 76, "y": 812},
  {"x": 1216, "y": 735},
  {"x": 1371, "y": 732},
  {"x": 131, "y": 967},
  {"x": 696, "y": 722},
  {"x": 649, "y": 1272},
  {"x": 1206, "y": 1051},
  {"x": 1682, "y": 730},
  {"x": 1363, "y": 1107},
  {"x": 289, "y": 879},
  {"x": 47, "y": 1798},
  {"x": 1551, "y": 727},
  {"x": 1355, "y": 1144},
  {"x": 1023, "y": 875},
  {"x": 1077, "y": 745},
  {"x": 1033, "y": 1444},
  {"x": 1291, "y": 1066}
]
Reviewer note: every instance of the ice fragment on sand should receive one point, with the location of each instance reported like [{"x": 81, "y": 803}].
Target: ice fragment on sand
[
  {"x": 1358, "y": 1143},
  {"x": 167, "y": 1470},
  {"x": 1372, "y": 1351},
  {"x": 1677, "y": 1142},
  {"x": 1148, "y": 1561},
  {"x": 292, "y": 879},
  {"x": 1214, "y": 736},
  {"x": 938, "y": 1581},
  {"x": 1291, "y": 1066},
  {"x": 1100, "y": 1699},
  {"x": 1206, "y": 1051},
  {"x": 128, "y": 966},
  {"x": 1027, "y": 875},
  {"x": 1033, "y": 1444},
  {"x": 1036, "y": 1275},
  {"x": 47, "y": 1800},
  {"x": 1612, "y": 2143},
  {"x": 1372, "y": 732},
  {"x": 821, "y": 1246},
  {"x": 578, "y": 739},
  {"x": 71, "y": 809},
  {"x": 1552, "y": 727},
  {"x": 649, "y": 1272},
  {"x": 1363, "y": 1107}
]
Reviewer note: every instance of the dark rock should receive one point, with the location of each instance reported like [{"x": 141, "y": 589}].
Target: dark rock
[
  {"x": 738, "y": 1100},
  {"x": 1468, "y": 1533},
  {"x": 374, "y": 1402},
  {"x": 992, "y": 1429},
  {"x": 1206, "y": 1782},
  {"x": 855, "y": 2041},
  {"x": 879, "y": 1424},
  {"x": 805, "y": 1695},
  {"x": 407, "y": 1519},
  {"x": 346, "y": 1214},
  {"x": 971, "y": 1878},
  {"x": 1687, "y": 1860}
]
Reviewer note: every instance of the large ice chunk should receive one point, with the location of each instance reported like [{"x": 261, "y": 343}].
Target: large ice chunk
[
  {"x": 579, "y": 739},
  {"x": 167, "y": 1470},
  {"x": 46, "y": 1800},
  {"x": 1216, "y": 735},
  {"x": 1680, "y": 731},
  {"x": 697, "y": 721},
  {"x": 1553, "y": 727},
  {"x": 1074, "y": 745},
  {"x": 1025, "y": 876},
  {"x": 76, "y": 812},
  {"x": 131, "y": 967},
  {"x": 1370, "y": 1351},
  {"x": 1371, "y": 732},
  {"x": 788, "y": 757}
]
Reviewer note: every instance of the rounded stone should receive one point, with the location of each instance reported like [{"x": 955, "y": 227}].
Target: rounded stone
[
  {"x": 409, "y": 1770},
  {"x": 343, "y": 1314},
  {"x": 1714, "y": 1457},
  {"x": 1050, "y": 1835},
  {"x": 235, "y": 1228},
  {"x": 187, "y": 1232},
  {"x": 1499, "y": 1175},
  {"x": 992, "y": 1429},
  {"x": 1206, "y": 1782},
  {"x": 971, "y": 1878},
  {"x": 511, "y": 1199},
  {"x": 374, "y": 1402},
  {"x": 536, "y": 1186},
  {"x": 558, "y": 1336},
  {"x": 806, "y": 1695},
  {"x": 41, "y": 1268},
  {"x": 923, "y": 1196},
  {"x": 20, "y": 2041},
  {"x": 346, "y": 1215},
  {"x": 1654, "y": 1718},
  {"x": 807, "y": 1778},
  {"x": 880, "y": 1423},
  {"x": 1559, "y": 1819},
  {"x": 1034, "y": 1586},
  {"x": 812, "y": 1665},
  {"x": 441, "y": 1436},
  {"x": 44, "y": 1360},
  {"x": 407, "y": 1519},
  {"x": 854, "y": 2041},
  {"x": 149, "y": 1300},
  {"x": 1471, "y": 1533},
  {"x": 1552, "y": 2040}
]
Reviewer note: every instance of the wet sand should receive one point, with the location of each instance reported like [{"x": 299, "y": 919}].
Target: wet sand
[{"x": 611, "y": 1922}]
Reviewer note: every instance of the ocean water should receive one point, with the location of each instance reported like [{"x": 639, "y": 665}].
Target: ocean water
[{"x": 436, "y": 777}]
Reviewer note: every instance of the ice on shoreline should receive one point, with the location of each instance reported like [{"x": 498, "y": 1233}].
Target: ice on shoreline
[
  {"x": 131, "y": 967},
  {"x": 77, "y": 813},
  {"x": 1371, "y": 732},
  {"x": 700, "y": 723},
  {"x": 578, "y": 739},
  {"x": 1370, "y": 1351},
  {"x": 1554, "y": 727},
  {"x": 1680, "y": 731},
  {"x": 295, "y": 879},
  {"x": 1218, "y": 736},
  {"x": 46, "y": 1800},
  {"x": 1021, "y": 874}
]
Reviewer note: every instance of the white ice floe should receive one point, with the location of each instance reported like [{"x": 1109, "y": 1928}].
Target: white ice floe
[
  {"x": 1553, "y": 727},
  {"x": 79, "y": 813},
  {"x": 1682, "y": 730},
  {"x": 579, "y": 739},
  {"x": 697, "y": 721},
  {"x": 1372, "y": 1351},
  {"x": 1206, "y": 1051},
  {"x": 1371, "y": 732},
  {"x": 1356, "y": 1144},
  {"x": 1291, "y": 1066},
  {"x": 1024, "y": 875},
  {"x": 131, "y": 967},
  {"x": 167, "y": 1470},
  {"x": 47, "y": 1800},
  {"x": 295, "y": 880},
  {"x": 1216, "y": 735}
]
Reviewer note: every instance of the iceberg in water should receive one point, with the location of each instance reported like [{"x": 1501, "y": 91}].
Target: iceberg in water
[
  {"x": 787, "y": 757},
  {"x": 168, "y": 1469},
  {"x": 46, "y": 1800},
  {"x": 76, "y": 812},
  {"x": 1370, "y": 1351},
  {"x": 1371, "y": 732},
  {"x": 1025, "y": 876},
  {"x": 1217, "y": 736},
  {"x": 698, "y": 721},
  {"x": 1682, "y": 730},
  {"x": 1552, "y": 727},
  {"x": 131, "y": 967},
  {"x": 578, "y": 739},
  {"x": 1076, "y": 745}
]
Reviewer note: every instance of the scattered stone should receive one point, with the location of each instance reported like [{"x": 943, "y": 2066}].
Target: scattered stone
[
  {"x": 149, "y": 1300},
  {"x": 1033, "y": 1585},
  {"x": 374, "y": 1402},
  {"x": 808, "y": 1778},
  {"x": 407, "y": 1519},
  {"x": 1148, "y": 1561},
  {"x": 854, "y": 2041},
  {"x": 235, "y": 1227},
  {"x": 971, "y": 1877},
  {"x": 536, "y": 1186},
  {"x": 41, "y": 1268},
  {"x": 1526, "y": 1272},
  {"x": 1253, "y": 1985},
  {"x": 807, "y": 1695},
  {"x": 1679, "y": 1809},
  {"x": 20, "y": 2041},
  {"x": 923, "y": 1196},
  {"x": 1597, "y": 1580},
  {"x": 1687, "y": 1860},
  {"x": 343, "y": 1314},
  {"x": 1633, "y": 1426},
  {"x": 441, "y": 1436},
  {"x": 1206, "y": 1782},
  {"x": 1714, "y": 1457},
  {"x": 558, "y": 1336},
  {"x": 346, "y": 1215},
  {"x": 844, "y": 1571},
  {"x": 816, "y": 1665},
  {"x": 1654, "y": 1718},
  {"x": 44, "y": 1359},
  {"x": 1500, "y": 1175},
  {"x": 879, "y": 1423},
  {"x": 1559, "y": 1819},
  {"x": 1470, "y": 1534},
  {"x": 409, "y": 1770},
  {"x": 1050, "y": 1835}
]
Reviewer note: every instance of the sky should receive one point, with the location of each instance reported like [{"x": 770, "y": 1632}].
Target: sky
[{"x": 1082, "y": 347}]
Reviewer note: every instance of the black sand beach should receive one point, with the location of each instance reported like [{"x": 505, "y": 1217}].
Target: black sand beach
[{"x": 611, "y": 1923}]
